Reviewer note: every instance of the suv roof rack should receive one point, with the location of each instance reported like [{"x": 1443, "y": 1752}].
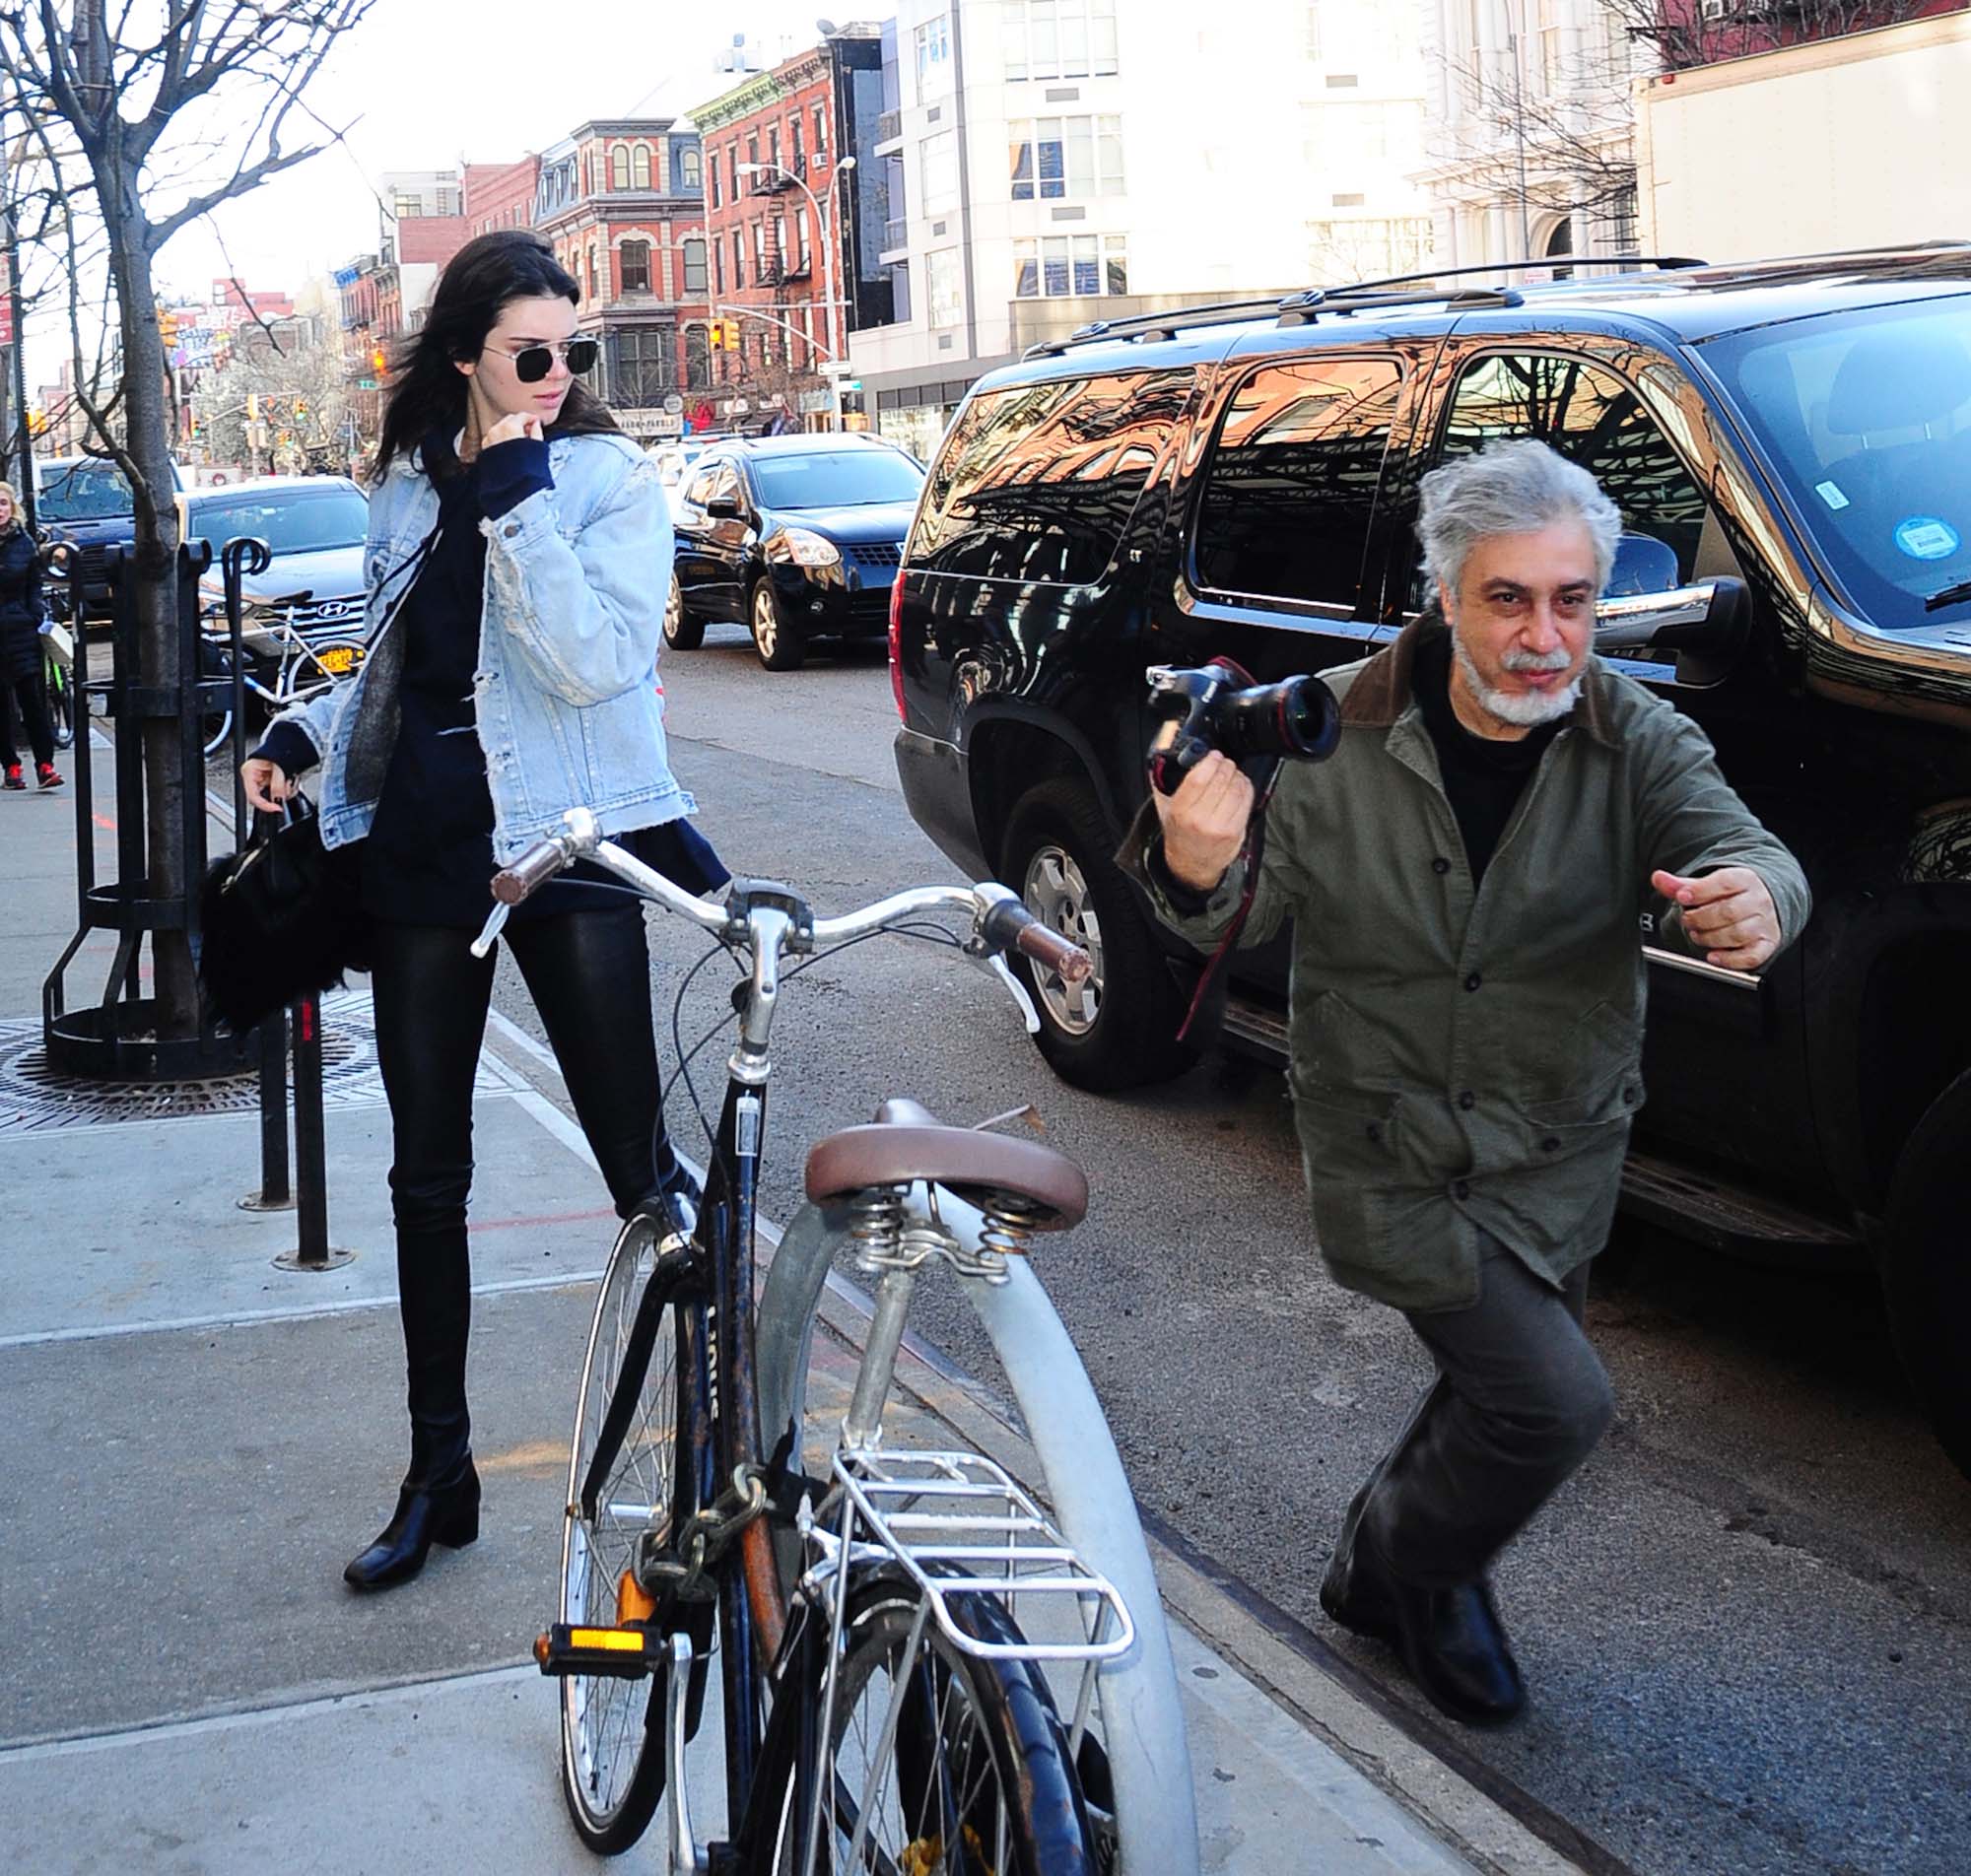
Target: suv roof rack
[{"x": 1298, "y": 307}]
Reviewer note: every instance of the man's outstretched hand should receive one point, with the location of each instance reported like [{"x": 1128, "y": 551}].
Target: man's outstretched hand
[{"x": 1728, "y": 912}]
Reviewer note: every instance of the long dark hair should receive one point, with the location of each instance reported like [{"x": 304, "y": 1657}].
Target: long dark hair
[{"x": 429, "y": 391}]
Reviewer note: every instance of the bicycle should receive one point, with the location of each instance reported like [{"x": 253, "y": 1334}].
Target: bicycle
[
  {"x": 58, "y": 681},
  {"x": 883, "y": 1706},
  {"x": 299, "y": 670}
]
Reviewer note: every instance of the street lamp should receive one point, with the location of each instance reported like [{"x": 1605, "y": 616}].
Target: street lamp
[{"x": 825, "y": 223}]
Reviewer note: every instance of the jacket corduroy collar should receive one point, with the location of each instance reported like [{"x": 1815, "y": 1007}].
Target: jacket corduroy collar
[{"x": 1383, "y": 691}]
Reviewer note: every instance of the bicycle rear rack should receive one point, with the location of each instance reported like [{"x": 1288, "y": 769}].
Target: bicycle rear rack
[{"x": 963, "y": 1529}]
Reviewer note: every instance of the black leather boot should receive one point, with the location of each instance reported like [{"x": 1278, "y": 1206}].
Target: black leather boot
[
  {"x": 426, "y": 1514},
  {"x": 1451, "y": 1640}
]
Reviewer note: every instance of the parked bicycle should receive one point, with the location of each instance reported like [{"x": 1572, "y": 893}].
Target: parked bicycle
[
  {"x": 283, "y": 667},
  {"x": 921, "y": 1669},
  {"x": 58, "y": 682}
]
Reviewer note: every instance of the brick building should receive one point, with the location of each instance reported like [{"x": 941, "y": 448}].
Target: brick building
[
  {"x": 500, "y": 194},
  {"x": 623, "y": 204},
  {"x": 775, "y": 148}
]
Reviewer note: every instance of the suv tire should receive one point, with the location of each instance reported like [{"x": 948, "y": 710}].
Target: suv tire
[
  {"x": 781, "y": 645},
  {"x": 1925, "y": 1274},
  {"x": 682, "y": 631},
  {"x": 1057, "y": 850}
]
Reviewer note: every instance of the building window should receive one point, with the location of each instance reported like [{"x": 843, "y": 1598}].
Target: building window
[
  {"x": 1065, "y": 159},
  {"x": 931, "y": 45},
  {"x": 639, "y": 166},
  {"x": 1116, "y": 263},
  {"x": 732, "y": 171},
  {"x": 804, "y": 258},
  {"x": 618, "y": 167},
  {"x": 1059, "y": 38},
  {"x": 738, "y": 259},
  {"x": 821, "y": 130},
  {"x": 797, "y": 156},
  {"x": 772, "y": 145},
  {"x": 693, "y": 265},
  {"x": 632, "y": 267},
  {"x": 639, "y": 364},
  {"x": 760, "y": 254},
  {"x": 718, "y": 198},
  {"x": 718, "y": 270},
  {"x": 944, "y": 292},
  {"x": 697, "y": 358},
  {"x": 937, "y": 157},
  {"x": 691, "y": 167},
  {"x": 1071, "y": 267}
]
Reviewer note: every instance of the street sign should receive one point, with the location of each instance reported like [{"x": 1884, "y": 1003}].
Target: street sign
[
  {"x": 674, "y": 404},
  {"x": 836, "y": 367}
]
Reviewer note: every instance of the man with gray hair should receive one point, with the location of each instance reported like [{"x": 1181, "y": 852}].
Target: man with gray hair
[{"x": 1466, "y": 877}]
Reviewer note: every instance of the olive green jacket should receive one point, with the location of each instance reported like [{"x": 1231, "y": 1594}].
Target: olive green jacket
[{"x": 1468, "y": 1062}]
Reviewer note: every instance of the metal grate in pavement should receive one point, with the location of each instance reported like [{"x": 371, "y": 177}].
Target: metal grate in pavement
[{"x": 33, "y": 1099}]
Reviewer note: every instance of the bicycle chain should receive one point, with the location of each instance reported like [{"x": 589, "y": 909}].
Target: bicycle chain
[{"x": 682, "y": 1570}]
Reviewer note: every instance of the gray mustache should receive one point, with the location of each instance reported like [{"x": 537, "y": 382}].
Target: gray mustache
[{"x": 1535, "y": 660}]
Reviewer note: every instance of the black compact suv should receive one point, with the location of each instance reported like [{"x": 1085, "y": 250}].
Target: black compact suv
[
  {"x": 796, "y": 537},
  {"x": 1790, "y": 443}
]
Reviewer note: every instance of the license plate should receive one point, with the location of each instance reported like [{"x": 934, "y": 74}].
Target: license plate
[{"x": 339, "y": 660}]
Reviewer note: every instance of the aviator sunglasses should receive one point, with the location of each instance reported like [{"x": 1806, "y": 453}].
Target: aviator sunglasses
[{"x": 532, "y": 362}]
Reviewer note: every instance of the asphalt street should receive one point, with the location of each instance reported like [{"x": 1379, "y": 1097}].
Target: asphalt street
[{"x": 1744, "y": 1625}]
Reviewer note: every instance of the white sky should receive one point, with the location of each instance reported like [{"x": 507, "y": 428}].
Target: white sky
[{"x": 434, "y": 83}]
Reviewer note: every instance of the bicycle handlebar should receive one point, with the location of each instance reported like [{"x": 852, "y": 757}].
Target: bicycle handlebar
[{"x": 1000, "y": 922}]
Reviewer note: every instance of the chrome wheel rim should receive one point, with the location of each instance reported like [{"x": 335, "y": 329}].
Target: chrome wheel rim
[
  {"x": 766, "y": 625},
  {"x": 674, "y": 609},
  {"x": 1057, "y": 892}
]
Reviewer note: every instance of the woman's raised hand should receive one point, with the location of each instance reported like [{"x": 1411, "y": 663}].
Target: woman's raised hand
[
  {"x": 268, "y": 784},
  {"x": 509, "y": 428}
]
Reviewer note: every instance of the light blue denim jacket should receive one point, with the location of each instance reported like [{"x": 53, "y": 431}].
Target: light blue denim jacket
[{"x": 566, "y": 695}]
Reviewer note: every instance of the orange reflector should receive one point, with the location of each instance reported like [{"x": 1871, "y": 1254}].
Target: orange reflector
[
  {"x": 543, "y": 1643},
  {"x": 631, "y": 1605},
  {"x": 623, "y": 1641}
]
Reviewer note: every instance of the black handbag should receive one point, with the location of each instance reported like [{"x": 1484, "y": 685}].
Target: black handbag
[{"x": 281, "y": 921}]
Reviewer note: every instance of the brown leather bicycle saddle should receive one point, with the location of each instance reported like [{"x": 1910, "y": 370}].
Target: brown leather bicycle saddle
[{"x": 907, "y": 1143}]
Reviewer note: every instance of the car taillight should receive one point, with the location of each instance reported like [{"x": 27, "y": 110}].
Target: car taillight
[{"x": 896, "y": 642}]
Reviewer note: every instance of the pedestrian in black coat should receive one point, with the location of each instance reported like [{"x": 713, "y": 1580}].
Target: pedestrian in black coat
[{"x": 21, "y": 655}]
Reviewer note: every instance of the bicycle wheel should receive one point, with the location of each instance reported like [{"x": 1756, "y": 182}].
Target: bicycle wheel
[
  {"x": 612, "y": 1763},
  {"x": 59, "y": 689},
  {"x": 214, "y": 726},
  {"x": 937, "y": 1761}
]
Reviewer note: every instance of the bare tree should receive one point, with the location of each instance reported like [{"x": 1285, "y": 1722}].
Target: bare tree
[
  {"x": 174, "y": 108},
  {"x": 286, "y": 368},
  {"x": 1687, "y": 32}
]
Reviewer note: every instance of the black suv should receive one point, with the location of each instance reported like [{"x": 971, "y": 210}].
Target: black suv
[
  {"x": 1242, "y": 481},
  {"x": 796, "y": 537}
]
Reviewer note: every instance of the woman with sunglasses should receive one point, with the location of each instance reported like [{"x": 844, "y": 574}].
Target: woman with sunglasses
[{"x": 516, "y": 570}]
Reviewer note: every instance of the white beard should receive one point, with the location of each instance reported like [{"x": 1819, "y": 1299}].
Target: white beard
[{"x": 1523, "y": 709}]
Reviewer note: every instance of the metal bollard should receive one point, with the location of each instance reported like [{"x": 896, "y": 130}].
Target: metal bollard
[{"x": 314, "y": 1251}]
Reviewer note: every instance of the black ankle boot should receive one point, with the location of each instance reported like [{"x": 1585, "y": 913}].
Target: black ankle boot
[
  {"x": 426, "y": 1514},
  {"x": 1452, "y": 1639}
]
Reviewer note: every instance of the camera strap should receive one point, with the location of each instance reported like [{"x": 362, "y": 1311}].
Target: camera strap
[{"x": 1255, "y": 853}]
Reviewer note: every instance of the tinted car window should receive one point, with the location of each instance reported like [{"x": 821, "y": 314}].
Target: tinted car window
[
  {"x": 1869, "y": 415},
  {"x": 1292, "y": 479},
  {"x": 1037, "y": 483},
  {"x": 288, "y": 524},
  {"x": 836, "y": 479},
  {"x": 1593, "y": 419}
]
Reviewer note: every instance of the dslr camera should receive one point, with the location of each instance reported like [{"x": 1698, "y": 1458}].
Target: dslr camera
[{"x": 1218, "y": 707}]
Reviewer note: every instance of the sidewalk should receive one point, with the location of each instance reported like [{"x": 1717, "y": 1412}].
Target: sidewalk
[{"x": 193, "y": 1439}]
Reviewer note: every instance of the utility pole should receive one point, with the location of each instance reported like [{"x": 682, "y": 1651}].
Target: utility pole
[{"x": 825, "y": 229}]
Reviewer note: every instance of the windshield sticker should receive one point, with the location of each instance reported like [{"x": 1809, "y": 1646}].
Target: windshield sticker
[
  {"x": 1923, "y": 537},
  {"x": 1831, "y": 495}
]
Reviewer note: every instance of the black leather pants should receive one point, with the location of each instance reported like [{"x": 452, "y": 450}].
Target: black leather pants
[{"x": 589, "y": 974}]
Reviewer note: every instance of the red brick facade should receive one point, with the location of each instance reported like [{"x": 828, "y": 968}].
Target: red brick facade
[
  {"x": 770, "y": 278},
  {"x": 622, "y": 202},
  {"x": 500, "y": 194}
]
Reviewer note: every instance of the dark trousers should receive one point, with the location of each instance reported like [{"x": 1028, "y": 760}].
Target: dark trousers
[
  {"x": 34, "y": 706},
  {"x": 589, "y": 974},
  {"x": 1520, "y": 1400}
]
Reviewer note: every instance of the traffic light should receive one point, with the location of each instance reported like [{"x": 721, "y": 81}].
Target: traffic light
[
  {"x": 378, "y": 363},
  {"x": 167, "y": 326},
  {"x": 717, "y": 335},
  {"x": 300, "y": 407}
]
